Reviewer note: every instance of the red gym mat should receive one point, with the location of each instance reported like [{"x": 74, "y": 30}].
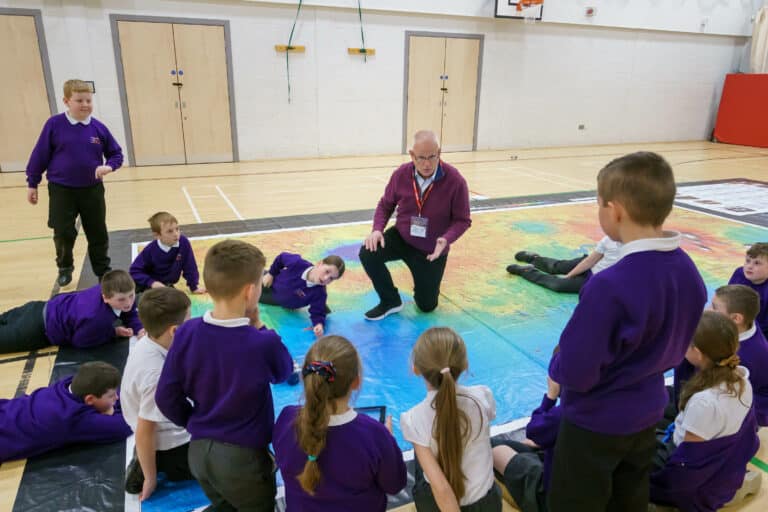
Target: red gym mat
[{"x": 743, "y": 114}]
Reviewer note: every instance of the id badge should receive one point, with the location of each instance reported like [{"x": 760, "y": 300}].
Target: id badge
[{"x": 419, "y": 226}]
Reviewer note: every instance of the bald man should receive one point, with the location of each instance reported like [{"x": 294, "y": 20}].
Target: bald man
[{"x": 432, "y": 202}]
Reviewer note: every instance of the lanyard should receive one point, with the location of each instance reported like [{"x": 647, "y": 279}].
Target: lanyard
[{"x": 419, "y": 199}]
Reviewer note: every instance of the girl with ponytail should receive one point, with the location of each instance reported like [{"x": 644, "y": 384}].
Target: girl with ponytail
[
  {"x": 332, "y": 458},
  {"x": 450, "y": 430},
  {"x": 701, "y": 460}
]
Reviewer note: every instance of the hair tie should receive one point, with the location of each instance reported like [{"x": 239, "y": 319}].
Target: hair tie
[
  {"x": 445, "y": 370},
  {"x": 323, "y": 368},
  {"x": 732, "y": 361},
  {"x": 312, "y": 458}
]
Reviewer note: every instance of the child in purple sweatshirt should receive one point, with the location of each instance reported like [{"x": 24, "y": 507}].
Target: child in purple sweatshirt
[
  {"x": 72, "y": 149},
  {"x": 754, "y": 273},
  {"x": 293, "y": 282},
  {"x": 162, "y": 262},
  {"x": 83, "y": 319},
  {"x": 79, "y": 409}
]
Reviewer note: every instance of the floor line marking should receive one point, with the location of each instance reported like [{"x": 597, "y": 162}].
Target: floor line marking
[
  {"x": 226, "y": 200},
  {"x": 192, "y": 205}
]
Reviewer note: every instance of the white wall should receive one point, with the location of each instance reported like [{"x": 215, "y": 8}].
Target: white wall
[{"x": 538, "y": 83}]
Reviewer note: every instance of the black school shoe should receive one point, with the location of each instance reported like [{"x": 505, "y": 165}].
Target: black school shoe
[
  {"x": 518, "y": 269},
  {"x": 134, "y": 477},
  {"x": 526, "y": 257},
  {"x": 65, "y": 276},
  {"x": 382, "y": 310}
]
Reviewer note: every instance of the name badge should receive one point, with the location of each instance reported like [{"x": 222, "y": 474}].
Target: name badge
[{"x": 419, "y": 226}]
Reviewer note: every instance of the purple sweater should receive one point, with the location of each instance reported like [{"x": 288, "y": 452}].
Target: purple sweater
[
  {"x": 292, "y": 292},
  {"x": 446, "y": 207},
  {"x": 154, "y": 264},
  {"x": 738, "y": 277},
  {"x": 754, "y": 356},
  {"x": 82, "y": 319},
  {"x": 360, "y": 464},
  {"x": 53, "y": 417},
  {"x": 702, "y": 477},
  {"x": 226, "y": 372},
  {"x": 634, "y": 321},
  {"x": 543, "y": 429},
  {"x": 71, "y": 153}
]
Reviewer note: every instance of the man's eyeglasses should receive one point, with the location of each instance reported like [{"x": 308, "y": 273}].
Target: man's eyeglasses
[{"x": 430, "y": 158}]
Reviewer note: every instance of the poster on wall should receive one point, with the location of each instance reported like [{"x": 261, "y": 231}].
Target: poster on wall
[{"x": 521, "y": 10}]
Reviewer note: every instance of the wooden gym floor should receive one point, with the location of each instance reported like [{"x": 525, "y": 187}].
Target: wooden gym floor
[{"x": 272, "y": 188}]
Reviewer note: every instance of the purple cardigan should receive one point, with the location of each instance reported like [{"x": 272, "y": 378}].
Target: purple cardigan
[
  {"x": 154, "y": 264},
  {"x": 543, "y": 429},
  {"x": 291, "y": 291},
  {"x": 702, "y": 477},
  {"x": 71, "y": 153},
  {"x": 82, "y": 319},
  {"x": 446, "y": 207},
  {"x": 753, "y": 353},
  {"x": 53, "y": 417},
  {"x": 738, "y": 277}
]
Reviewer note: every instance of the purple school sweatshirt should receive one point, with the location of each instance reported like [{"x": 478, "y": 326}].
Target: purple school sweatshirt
[
  {"x": 154, "y": 264},
  {"x": 738, "y": 277},
  {"x": 82, "y": 319},
  {"x": 753, "y": 353},
  {"x": 702, "y": 477},
  {"x": 634, "y": 321},
  {"x": 360, "y": 464},
  {"x": 292, "y": 292},
  {"x": 71, "y": 153},
  {"x": 52, "y": 417},
  {"x": 543, "y": 429},
  {"x": 226, "y": 372},
  {"x": 446, "y": 207}
]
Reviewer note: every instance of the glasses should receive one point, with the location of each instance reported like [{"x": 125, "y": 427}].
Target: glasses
[{"x": 430, "y": 158}]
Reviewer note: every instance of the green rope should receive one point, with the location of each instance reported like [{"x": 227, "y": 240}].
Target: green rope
[
  {"x": 288, "y": 51},
  {"x": 362, "y": 34}
]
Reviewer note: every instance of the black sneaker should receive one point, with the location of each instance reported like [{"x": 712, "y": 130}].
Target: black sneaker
[
  {"x": 526, "y": 256},
  {"x": 382, "y": 311},
  {"x": 65, "y": 276},
  {"x": 134, "y": 477},
  {"x": 100, "y": 276},
  {"x": 518, "y": 269}
]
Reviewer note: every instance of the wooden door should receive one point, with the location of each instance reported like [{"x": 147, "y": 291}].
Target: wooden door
[
  {"x": 426, "y": 64},
  {"x": 460, "y": 94},
  {"x": 202, "y": 62},
  {"x": 154, "y": 107},
  {"x": 23, "y": 95}
]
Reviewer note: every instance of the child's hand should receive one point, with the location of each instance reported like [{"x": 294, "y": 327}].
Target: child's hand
[
  {"x": 102, "y": 171},
  {"x": 157, "y": 284},
  {"x": 388, "y": 424},
  {"x": 200, "y": 290},
  {"x": 32, "y": 195},
  {"x": 148, "y": 488},
  {"x": 266, "y": 281},
  {"x": 318, "y": 329},
  {"x": 123, "y": 332},
  {"x": 553, "y": 389}
]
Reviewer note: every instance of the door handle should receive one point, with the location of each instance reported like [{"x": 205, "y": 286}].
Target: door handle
[
  {"x": 444, "y": 89},
  {"x": 177, "y": 84}
]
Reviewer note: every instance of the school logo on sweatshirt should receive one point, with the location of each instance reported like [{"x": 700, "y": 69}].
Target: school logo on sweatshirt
[{"x": 95, "y": 140}]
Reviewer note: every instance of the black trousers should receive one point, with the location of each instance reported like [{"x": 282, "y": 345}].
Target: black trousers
[
  {"x": 593, "y": 472},
  {"x": 65, "y": 204},
  {"x": 524, "y": 477},
  {"x": 546, "y": 273},
  {"x": 425, "y": 500},
  {"x": 427, "y": 275},
  {"x": 234, "y": 478},
  {"x": 23, "y": 328},
  {"x": 174, "y": 463}
]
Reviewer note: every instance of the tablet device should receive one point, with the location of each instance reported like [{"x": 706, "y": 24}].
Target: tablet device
[{"x": 377, "y": 412}]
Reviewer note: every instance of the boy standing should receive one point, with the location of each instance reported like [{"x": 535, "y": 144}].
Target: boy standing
[
  {"x": 162, "y": 262},
  {"x": 741, "y": 304},
  {"x": 83, "y": 319},
  {"x": 79, "y": 409},
  {"x": 216, "y": 383},
  {"x": 72, "y": 148},
  {"x": 754, "y": 274},
  {"x": 634, "y": 321},
  {"x": 160, "y": 445}
]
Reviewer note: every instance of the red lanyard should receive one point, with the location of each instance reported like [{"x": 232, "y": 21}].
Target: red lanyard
[{"x": 421, "y": 200}]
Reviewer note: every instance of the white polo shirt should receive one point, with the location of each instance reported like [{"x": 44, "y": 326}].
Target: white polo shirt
[
  {"x": 137, "y": 393},
  {"x": 611, "y": 251}
]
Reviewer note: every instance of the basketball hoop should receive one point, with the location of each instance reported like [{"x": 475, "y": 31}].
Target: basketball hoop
[{"x": 530, "y": 9}]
